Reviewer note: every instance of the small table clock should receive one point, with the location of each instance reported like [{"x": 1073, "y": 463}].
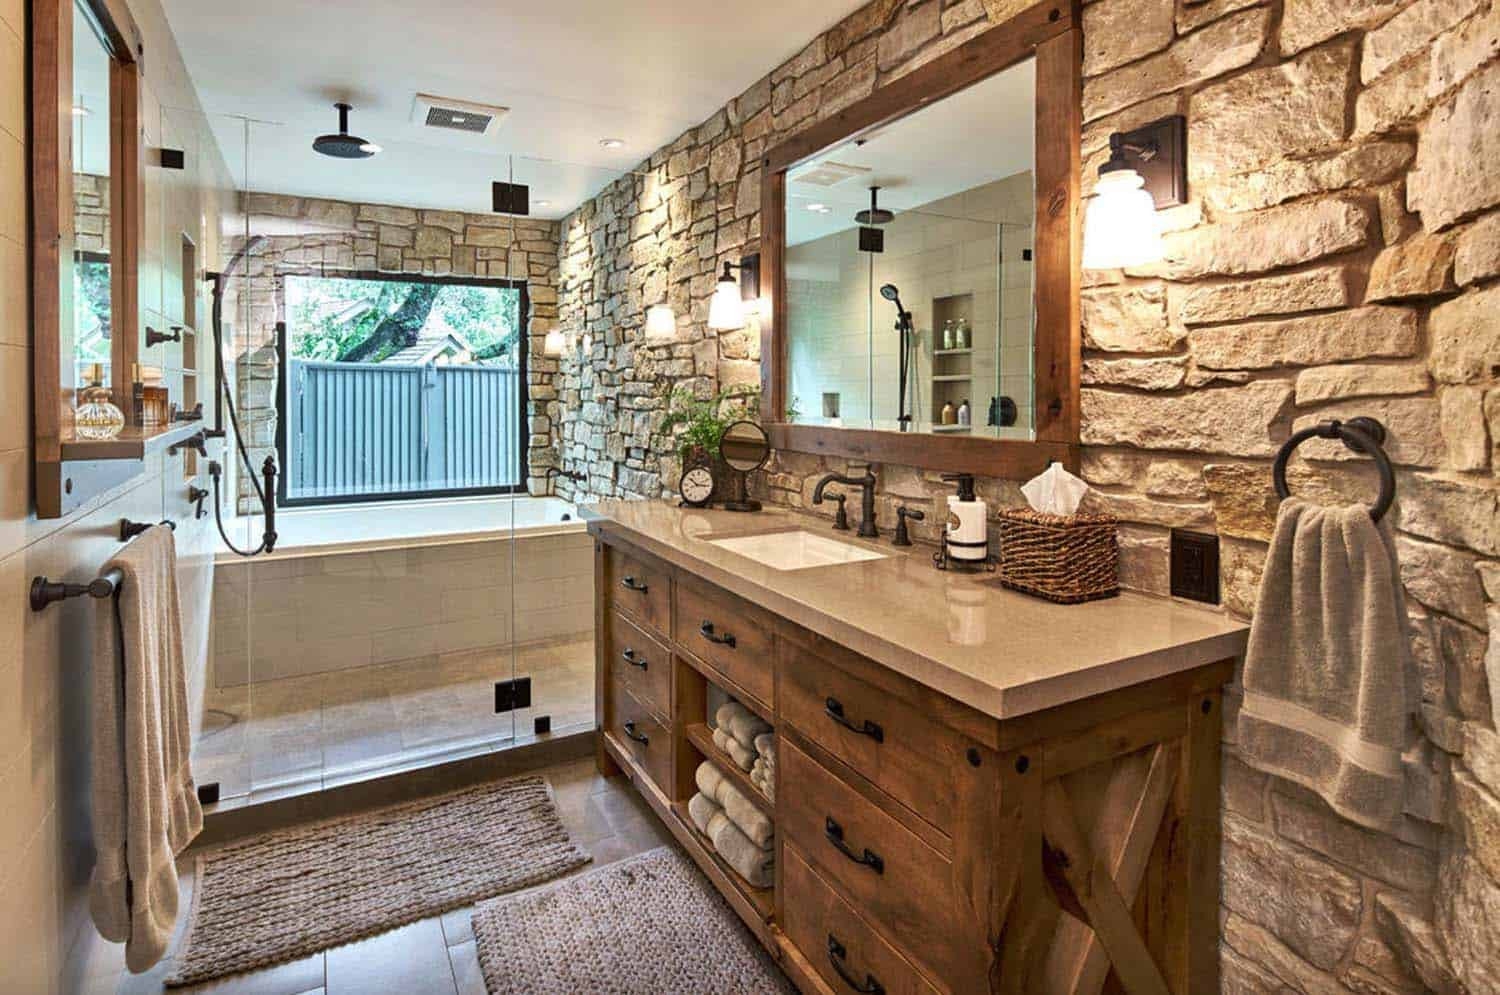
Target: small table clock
[{"x": 697, "y": 486}]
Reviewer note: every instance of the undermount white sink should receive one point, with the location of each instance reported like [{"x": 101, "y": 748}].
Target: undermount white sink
[{"x": 797, "y": 550}]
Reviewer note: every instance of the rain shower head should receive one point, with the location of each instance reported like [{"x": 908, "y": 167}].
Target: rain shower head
[
  {"x": 344, "y": 145},
  {"x": 876, "y": 215}
]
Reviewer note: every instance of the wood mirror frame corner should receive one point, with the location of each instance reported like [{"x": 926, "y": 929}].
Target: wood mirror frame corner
[
  {"x": 68, "y": 473},
  {"x": 1052, "y": 33}
]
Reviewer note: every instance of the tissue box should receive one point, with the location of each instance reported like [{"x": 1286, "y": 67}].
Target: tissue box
[{"x": 1063, "y": 558}]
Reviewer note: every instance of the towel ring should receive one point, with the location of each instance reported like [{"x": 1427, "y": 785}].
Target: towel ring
[{"x": 1360, "y": 435}]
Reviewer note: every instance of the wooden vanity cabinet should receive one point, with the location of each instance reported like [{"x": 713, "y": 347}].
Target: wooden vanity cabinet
[{"x": 922, "y": 846}]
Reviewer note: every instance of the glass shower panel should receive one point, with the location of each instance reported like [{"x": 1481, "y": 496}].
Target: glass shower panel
[{"x": 833, "y": 332}]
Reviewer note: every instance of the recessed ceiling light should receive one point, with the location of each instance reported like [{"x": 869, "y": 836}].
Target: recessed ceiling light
[
  {"x": 542, "y": 203},
  {"x": 820, "y": 208},
  {"x": 81, "y": 111},
  {"x": 611, "y": 143}
]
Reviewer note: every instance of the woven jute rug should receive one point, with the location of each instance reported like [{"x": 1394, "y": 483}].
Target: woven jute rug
[
  {"x": 297, "y": 891},
  {"x": 651, "y": 923}
]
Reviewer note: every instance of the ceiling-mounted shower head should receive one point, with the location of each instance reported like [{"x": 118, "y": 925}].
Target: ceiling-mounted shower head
[
  {"x": 876, "y": 215},
  {"x": 344, "y": 145}
]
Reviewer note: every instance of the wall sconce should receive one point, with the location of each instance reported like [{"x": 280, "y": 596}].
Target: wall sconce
[
  {"x": 553, "y": 344},
  {"x": 1146, "y": 171},
  {"x": 726, "y": 311},
  {"x": 661, "y": 324}
]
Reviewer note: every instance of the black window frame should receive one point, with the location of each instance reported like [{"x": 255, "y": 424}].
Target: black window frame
[{"x": 523, "y": 394}]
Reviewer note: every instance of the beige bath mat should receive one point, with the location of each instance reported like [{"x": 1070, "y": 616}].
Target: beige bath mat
[
  {"x": 651, "y": 923},
  {"x": 297, "y": 891}
]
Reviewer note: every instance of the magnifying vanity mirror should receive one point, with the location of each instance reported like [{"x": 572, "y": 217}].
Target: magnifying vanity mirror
[
  {"x": 921, "y": 255},
  {"x": 744, "y": 448}
]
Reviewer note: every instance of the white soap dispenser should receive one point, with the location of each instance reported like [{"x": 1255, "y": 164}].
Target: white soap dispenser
[{"x": 966, "y": 536}]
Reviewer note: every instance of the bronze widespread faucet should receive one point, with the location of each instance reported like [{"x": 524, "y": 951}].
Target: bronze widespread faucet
[{"x": 866, "y": 485}]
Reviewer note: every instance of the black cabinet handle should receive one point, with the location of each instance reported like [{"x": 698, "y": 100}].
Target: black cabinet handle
[
  {"x": 629, "y": 656},
  {"x": 639, "y": 737},
  {"x": 835, "y": 835},
  {"x": 706, "y": 630},
  {"x": 834, "y": 709},
  {"x": 632, "y": 584},
  {"x": 836, "y": 956}
]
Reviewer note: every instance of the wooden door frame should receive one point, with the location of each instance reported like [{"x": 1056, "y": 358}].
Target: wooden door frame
[{"x": 1052, "y": 34}]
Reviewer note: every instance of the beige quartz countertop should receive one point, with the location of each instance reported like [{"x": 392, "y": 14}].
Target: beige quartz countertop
[{"x": 998, "y": 651}]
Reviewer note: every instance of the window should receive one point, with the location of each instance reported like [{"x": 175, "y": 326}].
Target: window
[{"x": 400, "y": 387}]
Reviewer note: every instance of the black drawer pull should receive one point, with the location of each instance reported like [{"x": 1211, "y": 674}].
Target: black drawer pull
[
  {"x": 633, "y": 584},
  {"x": 639, "y": 737},
  {"x": 836, "y": 955},
  {"x": 834, "y": 709},
  {"x": 706, "y": 630},
  {"x": 835, "y": 834},
  {"x": 629, "y": 656}
]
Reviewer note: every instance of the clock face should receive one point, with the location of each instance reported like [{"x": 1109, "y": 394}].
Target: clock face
[{"x": 697, "y": 485}]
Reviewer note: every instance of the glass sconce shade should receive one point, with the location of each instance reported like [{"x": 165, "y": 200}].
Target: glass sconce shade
[
  {"x": 726, "y": 311},
  {"x": 552, "y": 345},
  {"x": 1121, "y": 228},
  {"x": 661, "y": 323},
  {"x": 96, "y": 416}
]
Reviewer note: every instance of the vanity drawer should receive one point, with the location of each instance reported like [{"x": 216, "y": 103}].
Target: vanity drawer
[
  {"x": 729, "y": 635},
  {"x": 896, "y": 882},
  {"x": 639, "y": 663},
  {"x": 841, "y": 947},
  {"x": 645, "y": 591},
  {"x": 896, "y": 747},
  {"x": 637, "y": 730}
]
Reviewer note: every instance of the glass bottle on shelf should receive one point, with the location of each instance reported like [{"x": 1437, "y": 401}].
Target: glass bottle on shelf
[
  {"x": 948, "y": 415},
  {"x": 963, "y": 335},
  {"x": 963, "y": 412},
  {"x": 948, "y": 335},
  {"x": 96, "y": 417}
]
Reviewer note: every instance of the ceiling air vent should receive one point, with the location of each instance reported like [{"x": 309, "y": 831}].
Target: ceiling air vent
[
  {"x": 456, "y": 115},
  {"x": 828, "y": 174}
]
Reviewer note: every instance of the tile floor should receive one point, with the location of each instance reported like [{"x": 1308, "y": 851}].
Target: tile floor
[
  {"x": 435, "y": 956},
  {"x": 274, "y": 738}
]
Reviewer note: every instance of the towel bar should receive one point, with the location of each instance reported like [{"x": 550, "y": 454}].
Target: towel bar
[
  {"x": 44, "y": 592},
  {"x": 129, "y": 530},
  {"x": 1360, "y": 435}
]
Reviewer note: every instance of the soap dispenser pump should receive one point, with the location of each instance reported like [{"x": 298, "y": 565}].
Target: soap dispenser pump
[{"x": 966, "y": 535}]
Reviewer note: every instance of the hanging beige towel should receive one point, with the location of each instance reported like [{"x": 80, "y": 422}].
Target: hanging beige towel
[
  {"x": 146, "y": 808},
  {"x": 1326, "y": 676}
]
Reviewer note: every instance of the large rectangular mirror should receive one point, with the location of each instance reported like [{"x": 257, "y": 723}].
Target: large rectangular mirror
[
  {"x": 909, "y": 270},
  {"x": 920, "y": 252}
]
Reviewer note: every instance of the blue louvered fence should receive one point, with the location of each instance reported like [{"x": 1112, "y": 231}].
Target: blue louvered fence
[{"x": 360, "y": 429}]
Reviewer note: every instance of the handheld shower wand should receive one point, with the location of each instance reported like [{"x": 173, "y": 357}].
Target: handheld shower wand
[{"x": 904, "y": 329}]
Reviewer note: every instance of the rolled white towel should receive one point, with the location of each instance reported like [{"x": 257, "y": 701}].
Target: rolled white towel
[
  {"x": 702, "y": 810},
  {"x": 755, "y": 864},
  {"x": 742, "y": 755},
  {"x": 708, "y": 779},
  {"x": 743, "y": 812},
  {"x": 765, "y": 745},
  {"x": 741, "y": 723}
]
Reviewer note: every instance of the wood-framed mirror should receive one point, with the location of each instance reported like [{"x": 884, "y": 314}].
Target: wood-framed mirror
[
  {"x": 87, "y": 196},
  {"x": 920, "y": 250}
]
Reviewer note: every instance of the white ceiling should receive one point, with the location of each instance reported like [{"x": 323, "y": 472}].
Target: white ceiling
[
  {"x": 572, "y": 72},
  {"x": 976, "y": 136}
]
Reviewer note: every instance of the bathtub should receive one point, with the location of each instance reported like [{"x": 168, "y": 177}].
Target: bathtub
[
  {"x": 375, "y": 584},
  {"x": 402, "y": 524}
]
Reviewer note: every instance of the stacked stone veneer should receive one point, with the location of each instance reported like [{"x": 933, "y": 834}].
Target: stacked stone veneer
[
  {"x": 1340, "y": 255},
  {"x": 338, "y": 237}
]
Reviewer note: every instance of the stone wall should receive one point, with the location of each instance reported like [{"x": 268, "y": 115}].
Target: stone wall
[
  {"x": 327, "y": 237},
  {"x": 1339, "y": 255}
]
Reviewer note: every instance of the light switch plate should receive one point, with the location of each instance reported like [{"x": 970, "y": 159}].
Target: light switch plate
[{"x": 1195, "y": 566}]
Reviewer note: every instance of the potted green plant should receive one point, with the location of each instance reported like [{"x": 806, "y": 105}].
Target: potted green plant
[{"x": 703, "y": 420}]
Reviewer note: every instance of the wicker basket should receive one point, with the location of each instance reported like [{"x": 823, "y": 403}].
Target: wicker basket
[{"x": 1063, "y": 558}]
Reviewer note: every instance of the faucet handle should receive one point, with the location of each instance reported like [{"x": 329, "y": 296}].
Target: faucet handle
[
  {"x": 840, "y": 517},
  {"x": 903, "y": 538}
]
